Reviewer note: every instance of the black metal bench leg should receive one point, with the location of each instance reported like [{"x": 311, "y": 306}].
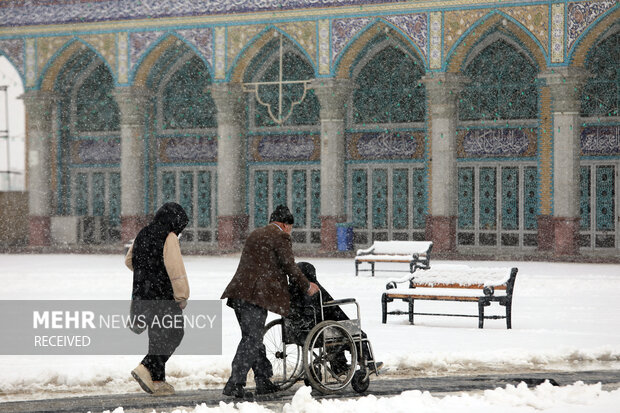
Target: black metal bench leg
[
  {"x": 480, "y": 314},
  {"x": 509, "y": 315},
  {"x": 372, "y": 268},
  {"x": 411, "y": 311},
  {"x": 384, "y": 308},
  {"x": 357, "y": 265}
]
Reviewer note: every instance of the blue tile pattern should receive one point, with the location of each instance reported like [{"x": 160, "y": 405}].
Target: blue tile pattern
[
  {"x": 600, "y": 140},
  {"x": 29, "y": 12}
]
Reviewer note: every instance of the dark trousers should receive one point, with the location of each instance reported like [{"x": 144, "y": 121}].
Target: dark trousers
[
  {"x": 164, "y": 337},
  {"x": 251, "y": 350}
]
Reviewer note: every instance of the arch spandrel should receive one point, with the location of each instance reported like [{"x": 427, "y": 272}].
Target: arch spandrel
[
  {"x": 254, "y": 47},
  {"x": 607, "y": 24},
  {"x": 493, "y": 23},
  {"x": 347, "y": 59},
  {"x": 55, "y": 63},
  {"x": 14, "y": 51},
  {"x": 144, "y": 66}
]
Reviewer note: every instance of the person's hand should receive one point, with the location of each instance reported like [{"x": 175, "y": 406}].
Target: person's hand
[
  {"x": 183, "y": 304},
  {"x": 313, "y": 289}
]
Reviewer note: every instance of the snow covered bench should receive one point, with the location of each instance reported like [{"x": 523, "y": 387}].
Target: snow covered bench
[
  {"x": 415, "y": 253},
  {"x": 448, "y": 283}
]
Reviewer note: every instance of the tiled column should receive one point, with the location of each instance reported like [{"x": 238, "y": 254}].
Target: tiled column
[
  {"x": 39, "y": 107},
  {"x": 565, "y": 88},
  {"x": 232, "y": 219},
  {"x": 132, "y": 104},
  {"x": 442, "y": 90},
  {"x": 332, "y": 95}
]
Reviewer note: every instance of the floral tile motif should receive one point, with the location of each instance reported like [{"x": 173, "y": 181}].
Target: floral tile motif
[
  {"x": 414, "y": 26},
  {"x": 105, "y": 44},
  {"x": 290, "y": 147},
  {"x": 47, "y": 48},
  {"x": 600, "y": 140},
  {"x": 14, "y": 50},
  {"x": 435, "y": 41},
  {"x": 202, "y": 39},
  {"x": 535, "y": 19},
  {"x": 122, "y": 41},
  {"x": 303, "y": 33},
  {"x": 385, "y": 145},
  {"x": 220, "y": 52},
  {"x": 582, "y": 14},
  {"x": 324, "y": 62},
  {"x": 30, "y": 12},
  {"x": 508, "y": 142},
  {"x": 31, "y": 62},
  {"x": 557, "y": 32},
  {"x": 238, "y": 38},
  {"x": 139, "y": 43},
  {"x": 187, "y": 149},
  {"x": 343, "y": 30},
  {"x": 456, "y": 23},
  {"x": 96, "y": 151}
]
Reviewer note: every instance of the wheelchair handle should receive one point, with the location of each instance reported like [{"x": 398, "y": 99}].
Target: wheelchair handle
[{"x": 338, "y": 302}]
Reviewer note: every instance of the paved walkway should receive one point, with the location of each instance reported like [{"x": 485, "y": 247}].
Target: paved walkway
[{"x": 142, "y": 402}]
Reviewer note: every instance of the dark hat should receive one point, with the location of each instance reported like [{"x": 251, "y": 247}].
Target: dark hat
[{"x": 282, "y": 214}]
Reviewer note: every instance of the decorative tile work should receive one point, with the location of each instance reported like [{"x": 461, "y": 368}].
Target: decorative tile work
[
  {"x": 47, "y": 47},
  {"x": 31, "y": 62},
  {"x": 202, "y": 39},
  {"x": 220, "y": 53},
  {"x": 238, "y": 38},
  {"x": 435, "y": 40},
  {"x": 385, "y": 145},
  {"x": 582, "y": 14},
  {"x": 14, "y": 50},
  {"x": 557, "y": 32},
  {"x": 140, "y": 43},
  {"x": 600, "y": 140},
  {"x": 192, "y": 149},
  {"x": 303, "y": 33},
  {"x": 324, "y": 62},
  {"x": 535, "y": 19},
  {"x": 343, "y": 30},
  {"x": 122, "y": 41},
  {"x": 96, "y": 151},
  {"x": 262, "y": 148},
  {"x": 105, "y": 44},
  {"x": 29, "y": 12},
  {"x": 414, "y": 26},
  {"x": 457, "y": 22},
  {"x": 509, "y": 142}
]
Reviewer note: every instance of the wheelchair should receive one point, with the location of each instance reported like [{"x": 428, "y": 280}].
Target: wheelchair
[{"x": 327, "y": 355}]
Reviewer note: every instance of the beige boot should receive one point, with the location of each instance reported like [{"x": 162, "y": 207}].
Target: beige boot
[
  {"x": 161, "y": 388},
  {"x": 143, "y": 377}
]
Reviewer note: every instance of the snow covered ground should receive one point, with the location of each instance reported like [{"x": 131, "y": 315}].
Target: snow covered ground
[{"x": 564, "y": 318}]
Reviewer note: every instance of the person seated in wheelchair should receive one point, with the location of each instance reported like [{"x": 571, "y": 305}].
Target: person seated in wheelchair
[{"x": 305, "y": 313}]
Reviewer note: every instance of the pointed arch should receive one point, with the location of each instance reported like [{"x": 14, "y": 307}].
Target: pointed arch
[
  {"x": 494, "y": 22},
  {"x": 350, "y": 54},
  {"x": 254, "y": 47},
  {"x": 143, "y": 67},
  {"x": 604, "y": 26},
  {"x": 55, "y": 64}
]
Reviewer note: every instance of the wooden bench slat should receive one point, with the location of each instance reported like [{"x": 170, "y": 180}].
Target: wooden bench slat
[
  {"x": 471, "y": 286},
  {"x": 434, "y": 297}
]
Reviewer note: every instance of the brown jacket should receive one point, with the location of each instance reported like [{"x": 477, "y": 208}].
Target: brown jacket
[{"x": 261, "y": 278}]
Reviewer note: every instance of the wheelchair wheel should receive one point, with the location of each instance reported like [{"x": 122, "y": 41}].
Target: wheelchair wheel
[
  {"x": 285, "y": 358},
  {"x": 360, "y": 382},
  {"x": 330, "y": 357}
]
